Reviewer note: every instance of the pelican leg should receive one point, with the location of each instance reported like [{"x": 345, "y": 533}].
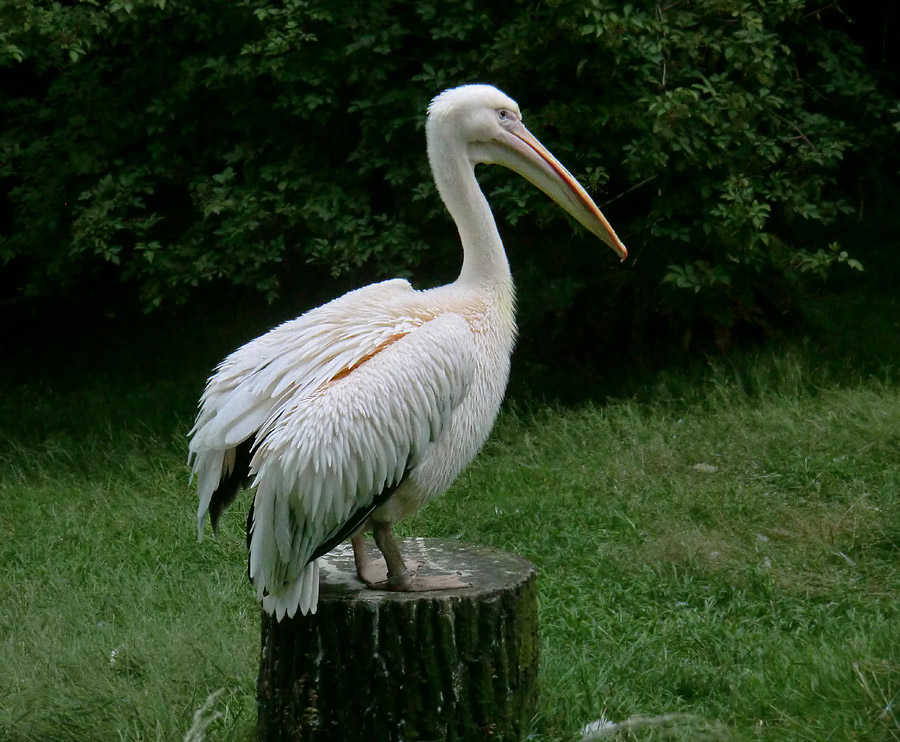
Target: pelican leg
[
  {"x": 399, "y": 576},
  {"x": 371, "y": 571}
]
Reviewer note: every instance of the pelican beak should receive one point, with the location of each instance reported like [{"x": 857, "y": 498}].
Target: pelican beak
[{"x": 521, "y": 151}]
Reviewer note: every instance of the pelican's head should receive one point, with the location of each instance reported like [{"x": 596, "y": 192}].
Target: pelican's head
[{"x": 488, "y": 124}]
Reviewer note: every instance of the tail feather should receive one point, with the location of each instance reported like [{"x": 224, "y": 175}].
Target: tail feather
[{"x": 302, "y": 594}]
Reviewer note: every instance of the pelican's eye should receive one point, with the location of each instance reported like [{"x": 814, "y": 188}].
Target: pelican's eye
[{"x": 503, "y": 115}]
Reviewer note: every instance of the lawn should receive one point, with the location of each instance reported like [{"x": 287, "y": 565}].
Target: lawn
[{"x": 717, "y": 555}]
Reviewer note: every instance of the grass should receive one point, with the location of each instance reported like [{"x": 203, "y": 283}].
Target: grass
[
  {"x": 731, "y": 557},
  {"x": 717, "y": 559}
]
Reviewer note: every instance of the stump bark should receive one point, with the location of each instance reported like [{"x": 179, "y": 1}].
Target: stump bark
[{"x": 390, "y": 667}]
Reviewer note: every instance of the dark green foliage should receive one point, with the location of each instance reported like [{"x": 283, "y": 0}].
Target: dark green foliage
[{"x": 180, "y": 143}]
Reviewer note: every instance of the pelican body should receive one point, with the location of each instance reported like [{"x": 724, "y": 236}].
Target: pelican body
[{"x": 356, "y": 414}]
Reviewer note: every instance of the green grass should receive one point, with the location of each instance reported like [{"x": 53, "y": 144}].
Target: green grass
[
  {"x": 728, "y": 556},
  {"x": 718, "y": 555}
]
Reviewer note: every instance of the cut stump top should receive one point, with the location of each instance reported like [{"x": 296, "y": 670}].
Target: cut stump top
[{"x": 489, "y": 570}]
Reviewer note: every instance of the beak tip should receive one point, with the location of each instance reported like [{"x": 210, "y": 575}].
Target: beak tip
[{"x": 618, "y": 248}]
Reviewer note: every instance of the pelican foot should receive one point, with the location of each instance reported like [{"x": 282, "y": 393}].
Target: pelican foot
[
  {"x": 373, "y": 570},
  {"x": 373, "y": 573},
  {"x": 410, "y": 582},
  {"x": 424, "y": 583},
  {"x": 397, "y": 576}
]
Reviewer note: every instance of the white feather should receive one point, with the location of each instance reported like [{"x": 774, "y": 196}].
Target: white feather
[
  {"x": 325, "y": 496},
  {"x": 281, "y": 525},
  {"x": 292, "y": 361},
  {"x": 385, "y": 384}
]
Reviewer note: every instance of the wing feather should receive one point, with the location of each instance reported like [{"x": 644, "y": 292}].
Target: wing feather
[
  {"x": 292, "y": 361},
  {"x": 326, "y": 455}
]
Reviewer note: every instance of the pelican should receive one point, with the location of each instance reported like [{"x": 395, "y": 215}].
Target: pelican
[{"x": 357, "y": 413}]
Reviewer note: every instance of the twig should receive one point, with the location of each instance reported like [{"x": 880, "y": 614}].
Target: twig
[
  {"x": 800, "y": 134},
  {"x": 833, "y": 5},
  {"x": 629, "y": 190}
]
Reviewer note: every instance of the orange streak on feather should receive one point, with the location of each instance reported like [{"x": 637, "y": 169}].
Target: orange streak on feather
[{"x": 369, "y": 356}]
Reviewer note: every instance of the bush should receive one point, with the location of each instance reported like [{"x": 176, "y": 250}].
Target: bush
[{"x": 184, "y": 143}]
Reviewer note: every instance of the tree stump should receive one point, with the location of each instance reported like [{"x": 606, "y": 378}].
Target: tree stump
[{"x": 381, "y": 666}]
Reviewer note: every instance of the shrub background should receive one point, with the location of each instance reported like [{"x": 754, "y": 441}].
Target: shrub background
[{"x": 163, "y": 146}]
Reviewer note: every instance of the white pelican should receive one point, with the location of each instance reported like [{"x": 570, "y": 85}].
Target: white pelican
[{"x": 360, "y": 411}]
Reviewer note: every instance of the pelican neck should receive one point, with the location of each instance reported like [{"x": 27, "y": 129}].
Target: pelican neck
[{"x": 484, "y": 259}]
